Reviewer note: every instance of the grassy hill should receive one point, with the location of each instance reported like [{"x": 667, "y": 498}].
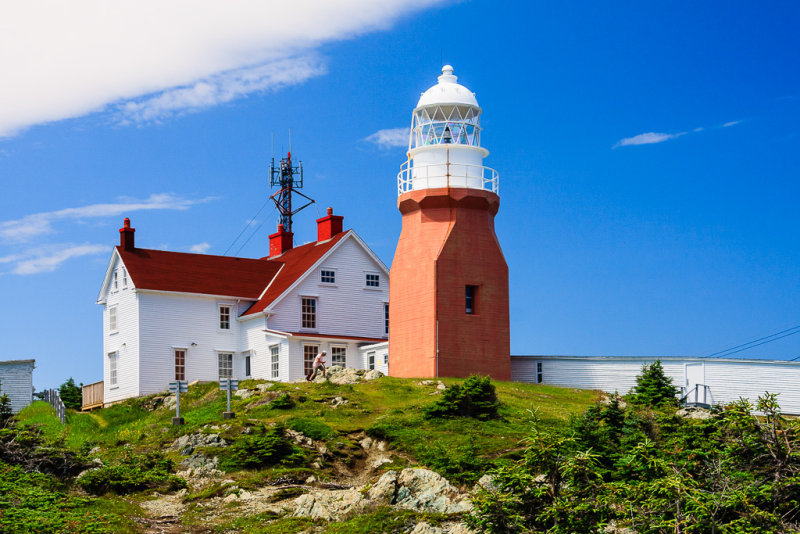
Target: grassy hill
[{"x": 136, "y": 439}]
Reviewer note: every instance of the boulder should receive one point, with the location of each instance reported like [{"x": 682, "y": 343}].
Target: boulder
[
  {"x": 244, "y": 393},
  {"x": 331, "y": 505},
  {"x": 186, "y": 444},
  {"x": 421, "y": 490},
  {"x": 372, "y": 374},
  {"x": 694, "y": 412},
  {"x": 264, "y": 387},
  {"x": 425, "y": 528}
]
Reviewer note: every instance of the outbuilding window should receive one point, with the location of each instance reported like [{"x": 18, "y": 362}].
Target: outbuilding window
[
  {"x": 371, "y": 360},
  {"x": 539, "y": 374}
]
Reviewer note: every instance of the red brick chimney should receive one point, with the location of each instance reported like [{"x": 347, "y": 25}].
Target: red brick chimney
[
  {"x": 329, "y": 226},
  {"x": 280, "y": 241},
  {"x": 126, "y": 235}
]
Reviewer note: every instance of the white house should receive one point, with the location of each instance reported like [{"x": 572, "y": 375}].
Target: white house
[
  {"x": 173, "y": 315},
  {"x": 16, "y": 381},
  {"x": 701, "y": 380}
]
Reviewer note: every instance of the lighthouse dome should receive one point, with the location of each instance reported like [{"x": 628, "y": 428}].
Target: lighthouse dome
[{"x": 447, "y": 91}]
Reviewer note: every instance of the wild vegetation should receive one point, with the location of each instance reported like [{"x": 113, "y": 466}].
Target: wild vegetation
[{"x": 559, "y": 460}]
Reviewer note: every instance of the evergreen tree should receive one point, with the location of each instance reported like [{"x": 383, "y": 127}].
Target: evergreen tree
[
  {"x": 654, "y": 387},
  {"x": 5, "y": 407},
  {"x": 71, "y": 395}
]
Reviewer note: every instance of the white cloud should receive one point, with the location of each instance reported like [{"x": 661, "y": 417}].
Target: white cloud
[
  {"x": 30, "y": 226},
  {"x": 648, "y": 138},
  {"x": 731, "y": 123},
  {"x": 200, "y": 248},
  {"x": 50, "y": 259},
  {"x": 66, "y": 59},
  {"x": 389, "y": 138}
]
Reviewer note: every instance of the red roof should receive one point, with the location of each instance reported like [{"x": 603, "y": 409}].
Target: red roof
[{"x": 222, "y": 275}]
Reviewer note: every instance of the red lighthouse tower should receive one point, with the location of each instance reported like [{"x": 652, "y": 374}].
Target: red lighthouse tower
[{"x": 448, "y": 306}]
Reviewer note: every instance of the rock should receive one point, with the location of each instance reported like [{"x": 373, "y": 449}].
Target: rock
[
  {"x": 384, "y": 489},
  {"x": 152, "y": 403},
  {"x": 200, "y": 463},
  {"x": 381, "y": 445},
  {"x": 457, "y": 528},
  {"x": 612, "y": 528},
  {"x": 170, "y": 402},
  {"x": 243, "y": 393},
  {"x": 366, "y": 443},
  {"x": 606, "y": 399},
  {"x": 231, "y": 498},
  {"x": 372, "y": 374},
  {"x": 264, "y": 387},
  {"x": 331, "y": 505},
  {"x": 339, "y": 401},
  {"x": 425, "y": 528},
  {"x": 487, "y": 482},
  {"x": 323, "y": 450},
  {"x": 440, "y": 386},
  {"x": 299, "y": 437},
  {"x": 379, "y": 462},
  {"x": 694, "y": 412},
  {"x": 94, "y": 450},
  {"x": 186, "y": 444},
  {"x": 426, "y": 383},
  {"x": 311, "y": 480},
  {"x": 245, "y": 495}
]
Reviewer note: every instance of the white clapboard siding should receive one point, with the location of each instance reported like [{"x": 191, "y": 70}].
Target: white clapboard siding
[
  {"x": 381, "y": 351},
  {"x": 124, "y": 341},
  {"x": 16, "y": 381},
  {"x": 727, "y": 380},
  {"x": 170, "y": 321},
  {"x": 347, "y": 307}
]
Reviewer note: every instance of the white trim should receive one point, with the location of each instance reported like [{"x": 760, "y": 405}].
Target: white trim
[
  {"x": 107, "y": 279},
  {"x": 375, "y": 273},
  {"x": 206, "y": 295},
  {"x": 261, "y": 296},
  {"x": 231, "y": 316},
  {"x": 333, "y": 270},
  {"x": 114, "y": 330}
]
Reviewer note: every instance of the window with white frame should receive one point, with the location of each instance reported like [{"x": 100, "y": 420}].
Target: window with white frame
[
  {"x": 372, "y": 280},
  {"x": 386, "y": 318},
  {"x": 385, "y": 358},
  {"x": 225, "y": 364},
  {"x": 224, "y": 317},
  {"x": 180, "y": 364},
  {"x": 112, "y": 319},
  {"x": 339, "y": 356},
  {"x": 124, "y": 277},
  {"x": 309, "y": 353},
  {"x": 246, "y": 358},
  {"x": 113, "y": 357},
  {"x": 275, "y": 356},
  {"x": 116, "y": 282},
  {"x": 327, "y": 276},
  {"x": 309, "y": 312},
  {"x": 371, "y": 360}
]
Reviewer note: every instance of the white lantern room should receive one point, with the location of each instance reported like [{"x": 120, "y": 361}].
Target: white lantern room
[{"x": 445, "y": 143}]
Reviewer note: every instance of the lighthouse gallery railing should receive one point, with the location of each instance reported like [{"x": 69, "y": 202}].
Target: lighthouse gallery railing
[{"x": 431, "y": 176}]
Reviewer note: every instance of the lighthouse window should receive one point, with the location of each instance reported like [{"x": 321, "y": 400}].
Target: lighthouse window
[
  {"x": 309, "y": 312},
  {"x": 471, "y": 292},
  {"x": 373, "y": 280}
]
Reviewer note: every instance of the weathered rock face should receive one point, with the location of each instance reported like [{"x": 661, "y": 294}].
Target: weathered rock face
[
  {"x": 347, "y": 375},
  {"x": 186, "y": 444},
  {"x": 420, "y": 490},
  {"x": 331, "y": 505},
  {"x": 694, "y": 412}
]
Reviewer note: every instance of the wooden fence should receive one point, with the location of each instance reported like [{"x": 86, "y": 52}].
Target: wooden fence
[
  {"x": 51, "y": 396},
  {"x": 92, "y": 396}
]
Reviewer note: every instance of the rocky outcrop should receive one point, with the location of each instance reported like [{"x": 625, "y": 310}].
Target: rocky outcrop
[
  {"x": 186, "y": 444},
  {"x": 331, "y": 505},
  {"x": 694, "y": 412},
  {"x": 347, "y": 375},
  {"x": 421, "y": 490}
]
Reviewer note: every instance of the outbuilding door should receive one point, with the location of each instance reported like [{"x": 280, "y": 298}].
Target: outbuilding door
[{"x": 695, "y": 383}]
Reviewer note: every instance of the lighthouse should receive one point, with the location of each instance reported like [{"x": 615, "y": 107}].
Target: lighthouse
[{"x": 448, "y": 306}]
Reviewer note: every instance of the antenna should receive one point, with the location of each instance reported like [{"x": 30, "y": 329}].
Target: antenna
[{"x": 289, "y": 178}]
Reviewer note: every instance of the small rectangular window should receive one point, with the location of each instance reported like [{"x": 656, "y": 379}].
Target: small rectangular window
[
  {"x": 224, "y": 317},
  {"x": 180, "y": 364},
  {"x": 112, "y": 319},
  {"x": 116, "y": 283},
  {"x": 327, "y": 277},
  {"x": 385, "y": 358},
  {"x": 539, "y": 373},
  {"x": 371, "y": 360},
  {"x": 225, "y": 365},
  {"x": 309, "y": 312},
  {"x": 471, "y": 293},
  {"x": 386, "y": 318},
  {"x": 124, "y": 277},
  {"x": 112, "y": 368},
  {"x": 339, "y": 356},
  {"x": 373, "y": 280},
  {"x": 246, "y": 355},
  {"x": 275, "y": 354},
  {"x": 309, "y": 353}
]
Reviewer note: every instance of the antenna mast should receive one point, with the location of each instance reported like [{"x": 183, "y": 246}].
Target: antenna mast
[{"x": 289, "y": 178}]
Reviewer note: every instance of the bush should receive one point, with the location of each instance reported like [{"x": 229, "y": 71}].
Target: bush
[
  {"x": 26, "y": 447},
  {"x": 476, "y": 398},
  {"x": 134, "y": 472},
  {"x": 284, "y": 402},
  {"x": 264, "y": 449},
  {"x": 71, "y": 395},
  {"x": 312, "y": 428},
  {"x": 654, "y": 388},
  {"x": 461, "y": 465}
]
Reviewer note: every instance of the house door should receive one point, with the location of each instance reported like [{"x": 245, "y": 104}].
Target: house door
[{"x": 695, "y": 383}]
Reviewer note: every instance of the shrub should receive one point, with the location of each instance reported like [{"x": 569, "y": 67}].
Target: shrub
[
  {"x": 284, "y": 402},
  {"x": 312, "y": 428},
  {"x": 653, "y": 387},
  {"x": 461, "y": 464},
  {"x": 134, "y": 472},
  {"x": 71, "y": 395},
  {"x": 26, "y": 447},
  {"x": 476, "y": 398},
  {"x": 264, "y": 449}
]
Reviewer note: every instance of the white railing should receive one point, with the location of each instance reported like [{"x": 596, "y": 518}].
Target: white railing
[
  {"x": 694, "y": 396},
  {"x": 415, "y": 177}
]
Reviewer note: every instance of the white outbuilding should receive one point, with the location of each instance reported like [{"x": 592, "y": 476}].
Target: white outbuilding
[{"x": 16, "y": 381}]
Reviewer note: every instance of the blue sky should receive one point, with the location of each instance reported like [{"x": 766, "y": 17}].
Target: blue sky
[{"x": 648, "y": 155}]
